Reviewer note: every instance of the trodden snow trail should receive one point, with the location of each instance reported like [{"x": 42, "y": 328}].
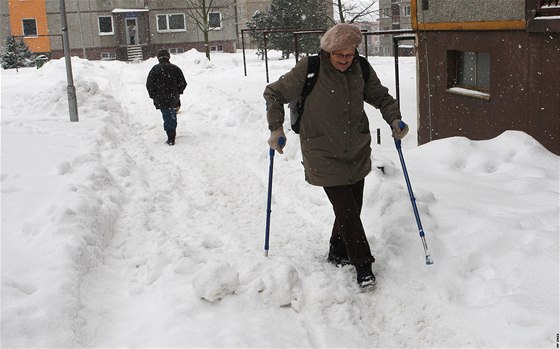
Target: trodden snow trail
[
  {"x": 175, "y": 224},
  {"x": 185, "y": 227},
  {"x": 183, "y": 264}
]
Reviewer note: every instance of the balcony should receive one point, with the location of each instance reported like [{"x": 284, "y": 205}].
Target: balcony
[{"x": 543, "y": 16}]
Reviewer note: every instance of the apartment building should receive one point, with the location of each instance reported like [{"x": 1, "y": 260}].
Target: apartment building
[
  {"x": 393, "y": 15},
  {"x": 246, "y": 9},
  {"x": 127, "y": 29},
  {"x": 371, "y": 43},
  {"x": 119, "y": 29}
]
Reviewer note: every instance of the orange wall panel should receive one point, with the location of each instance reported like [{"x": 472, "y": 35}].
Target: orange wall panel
[{"x": 23, "y": 9}]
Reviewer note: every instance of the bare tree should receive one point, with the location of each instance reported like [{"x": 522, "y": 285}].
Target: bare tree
[
  {"x": 199, "y": 11},
  {"x": 349, "y": 11}
]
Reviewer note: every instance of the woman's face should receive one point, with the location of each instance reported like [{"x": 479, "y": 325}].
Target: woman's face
[{"x": 341, "y": 59}]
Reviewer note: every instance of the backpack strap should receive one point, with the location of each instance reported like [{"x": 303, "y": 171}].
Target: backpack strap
[
  {"x": 313, "y": 63},
  {"x": 364, "y": 64}
]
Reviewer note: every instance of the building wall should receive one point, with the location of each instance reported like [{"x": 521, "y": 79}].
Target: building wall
[
  {"x": 393, "y": 15},
  {"x": 35, "y": 9},
  {"x": 442, "y": 11},
  {"x": 247, "y": 8},
  {"x": 83, "y": 18},
  {"x": 524, "y": 70},
  {"x": 4, "y": 21},
  {"x": 373, "y": 41}
]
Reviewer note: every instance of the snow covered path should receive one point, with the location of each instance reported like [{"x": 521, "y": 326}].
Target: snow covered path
[{"x": 111, "y": 238}]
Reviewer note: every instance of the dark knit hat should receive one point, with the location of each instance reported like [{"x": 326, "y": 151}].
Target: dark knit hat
[
  {"x": 341, "y": 36},
  {"x": 163, "y": 54}
]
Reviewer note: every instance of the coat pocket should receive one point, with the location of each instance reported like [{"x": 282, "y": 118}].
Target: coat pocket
[{"x": 319, "y": 157}]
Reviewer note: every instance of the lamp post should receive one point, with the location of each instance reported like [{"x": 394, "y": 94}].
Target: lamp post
[{"x": 71, "y": 90}]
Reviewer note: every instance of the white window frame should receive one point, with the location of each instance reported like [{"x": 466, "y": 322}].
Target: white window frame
[
  {"x": 23, "y": 27},
  {"x": 108, "y": 56},
  {"x": 406, "y": 11},
  {"x": 215, "y": 28},
  {"x": 176, "y": 50},
  {"x": 167, "y": 30},
  {"x": 112, "y": 25}
]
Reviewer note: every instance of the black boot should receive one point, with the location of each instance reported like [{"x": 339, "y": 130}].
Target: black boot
[
  {"x": 173, "y": 134},
  {"x": 365, "y": 276},
  {"x": 336, "y": 259},
  {"x": 170, "y": 137}
]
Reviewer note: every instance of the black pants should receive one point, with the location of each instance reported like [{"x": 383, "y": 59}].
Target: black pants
[{"x": 348, "y": 237}]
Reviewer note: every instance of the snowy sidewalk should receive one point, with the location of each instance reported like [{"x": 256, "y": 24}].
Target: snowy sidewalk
[{"x": 111, "y": 238}]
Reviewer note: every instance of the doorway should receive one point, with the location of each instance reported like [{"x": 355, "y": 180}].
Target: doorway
[{"x": 132, "y": 31}]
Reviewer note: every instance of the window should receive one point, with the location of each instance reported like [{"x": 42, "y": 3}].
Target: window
[
  {"x": 105, "y": 25},
  {"x": 469, "y": 70},
  {"x": 218, "y": 48},
  {"x": 108, "y": 56},
  {"x": 473, "y": 70},
  {"x": 29, "y": 27},
  {"x": 406, "y": 11},
  {"x": 215, "y": 21},
  {"x": 171, "y": 22},
  {"x": 176, "y": 50}
]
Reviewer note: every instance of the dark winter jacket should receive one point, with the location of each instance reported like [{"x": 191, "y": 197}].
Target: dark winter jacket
[
  {"x": 165, "y": 83},
  {"x": 334, "y": 133}
]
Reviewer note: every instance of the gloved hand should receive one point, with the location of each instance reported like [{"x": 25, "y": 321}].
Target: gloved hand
[
  {"x": 275, "y": 141},
  {"x": 398, "y": 133}
]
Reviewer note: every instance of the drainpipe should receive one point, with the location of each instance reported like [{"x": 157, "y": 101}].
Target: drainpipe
[{"x": 81, "y": 29}]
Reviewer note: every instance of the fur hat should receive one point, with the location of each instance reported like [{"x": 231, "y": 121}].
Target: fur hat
[
  {"x": 163, "y": 54},
  {"x": 341, "y": 36}
]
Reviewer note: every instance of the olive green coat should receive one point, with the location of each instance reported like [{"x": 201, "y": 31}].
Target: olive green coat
[{"x": 334, "y": 132}]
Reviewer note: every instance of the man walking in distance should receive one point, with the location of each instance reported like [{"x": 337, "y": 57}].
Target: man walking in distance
[
  {"x": 165, "y": 84},
  {"x": 335, "y": 137}
]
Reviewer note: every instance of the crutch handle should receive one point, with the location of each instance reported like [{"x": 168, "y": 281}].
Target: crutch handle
[
  {"x": 281, "y": 143},
  {"x": 402, "y": 126}
]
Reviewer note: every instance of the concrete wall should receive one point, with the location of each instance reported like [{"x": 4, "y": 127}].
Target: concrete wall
[
  {"x": 247, "y": 8},
  {"x": 524, "y": 70},
  {"x": 524, "y": 93},
  {"x": 471, "y": 10},
  {"x": 4, "y": 21}
]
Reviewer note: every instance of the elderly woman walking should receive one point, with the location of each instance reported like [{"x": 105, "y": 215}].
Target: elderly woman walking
[{"x": 335, "y": 136}]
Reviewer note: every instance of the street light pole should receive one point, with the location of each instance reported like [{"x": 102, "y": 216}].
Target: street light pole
[{"x": 71, "y": 90}]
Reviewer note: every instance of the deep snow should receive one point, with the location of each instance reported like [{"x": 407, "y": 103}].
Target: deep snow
[{"x": 110, "y": 238}]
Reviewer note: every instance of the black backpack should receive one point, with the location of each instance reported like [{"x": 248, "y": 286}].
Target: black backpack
[{"x": 296, "y": 107}]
